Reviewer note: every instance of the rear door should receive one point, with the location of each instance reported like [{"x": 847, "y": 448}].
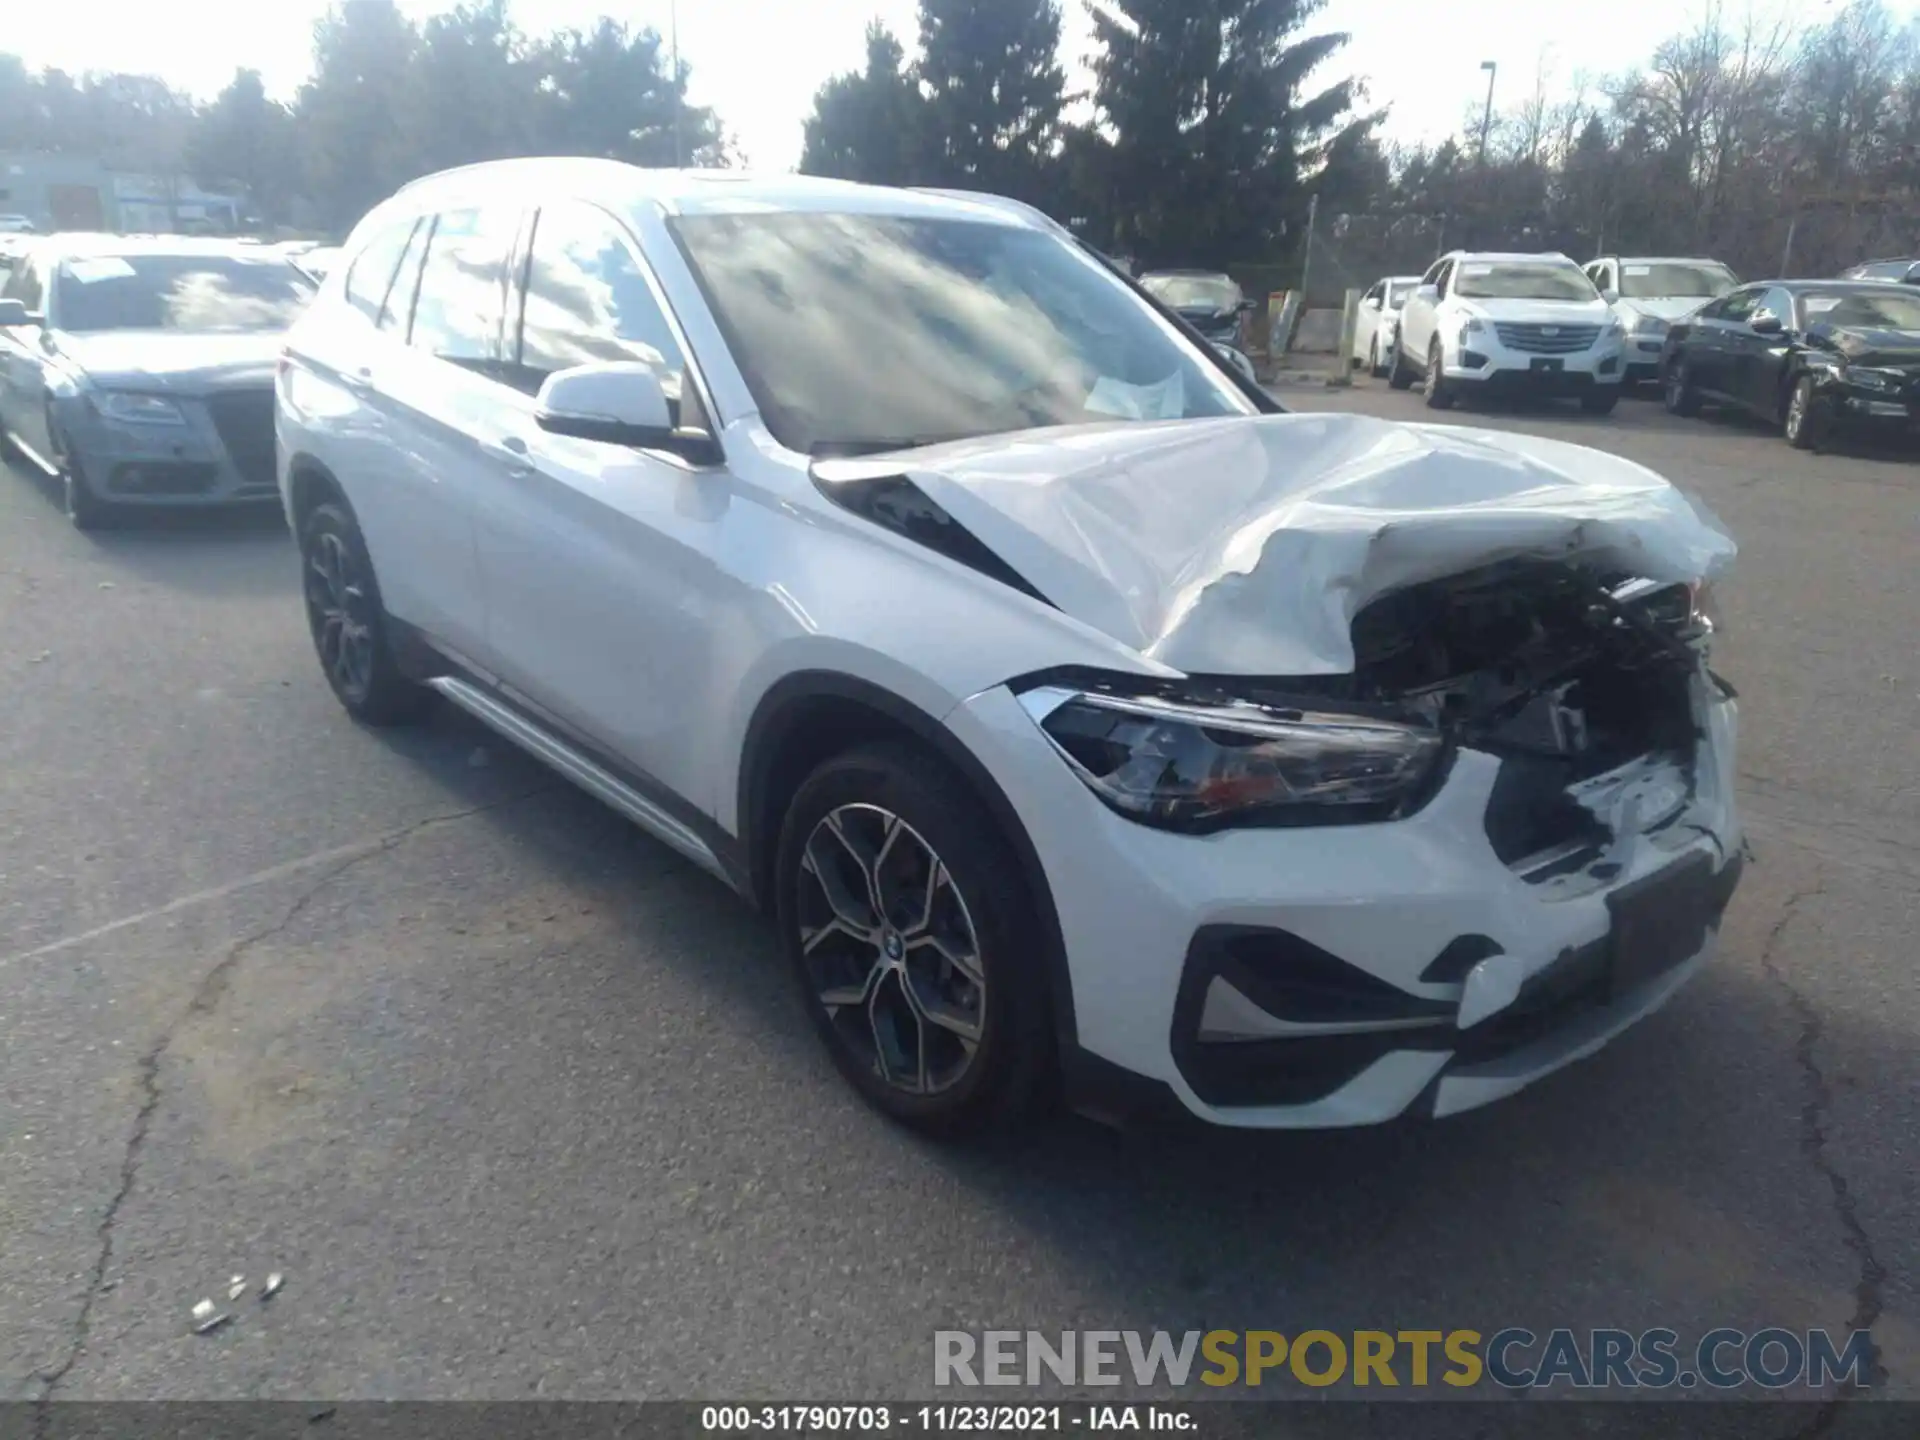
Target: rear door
[
  {"x": 439, "y": 391},
  {"x": 1712, "y": 342},
  {"x": 601, "y": 582}
]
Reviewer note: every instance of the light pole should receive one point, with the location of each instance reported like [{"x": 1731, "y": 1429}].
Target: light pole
[
  {"x": 679, "y": 141},
  {"x": 1486, "y": 119}
]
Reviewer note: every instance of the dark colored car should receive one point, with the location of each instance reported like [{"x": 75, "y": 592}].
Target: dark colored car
[
  {"x": 139, "y": 371},
  {"x": 1901, "y": 270},
  {"x": 1810, "y": 356},
  {"x": 1206, "y": 300}
]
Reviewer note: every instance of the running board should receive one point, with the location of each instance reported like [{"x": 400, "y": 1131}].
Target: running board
[{"x": 593, "y": 778}]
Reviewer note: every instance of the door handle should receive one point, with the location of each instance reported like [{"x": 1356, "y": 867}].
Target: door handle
[{"x": 513, "y": 450}]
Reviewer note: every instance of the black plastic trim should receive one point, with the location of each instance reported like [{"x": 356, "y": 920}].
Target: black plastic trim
[
  {"x": 784, "y": 705},
  {"x": 895, "y": 503}
]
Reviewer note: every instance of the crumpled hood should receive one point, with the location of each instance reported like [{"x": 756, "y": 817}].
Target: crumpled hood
[
  {"x": 1874, "y": 347},
  {"x": 173, "y": 361},
  {"x": 1246, "y": 545}
]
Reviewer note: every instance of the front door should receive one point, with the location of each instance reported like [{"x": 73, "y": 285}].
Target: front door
[{"x": 599, "y": 559}]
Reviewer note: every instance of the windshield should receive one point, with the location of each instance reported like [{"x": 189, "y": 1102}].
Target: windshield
[
  {"x": 1858, "y": 310},
  {"x": 1212, "y": 293},
  {"x": 1674, "y": 280},
  {"x": 1522, "y": 280},
  {"x": 870, "y": 332},
  {"x": 178, "y": 292}
]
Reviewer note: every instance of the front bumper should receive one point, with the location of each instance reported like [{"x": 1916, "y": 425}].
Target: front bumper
[
  {"x": 222, "y": 455},
  {"x": 1481, "y": 360},
  {"x": 1464, "y": 981}
]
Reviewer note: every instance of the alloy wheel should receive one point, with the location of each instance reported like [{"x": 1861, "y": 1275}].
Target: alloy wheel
[
  {"x": 1796, "y": 412},
  {"x": 340, "y": 612},
  {"x": 890, "y": 949}
]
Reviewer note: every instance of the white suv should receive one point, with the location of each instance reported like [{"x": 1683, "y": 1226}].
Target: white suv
[
  {"x": 1071, "y": 710},
  {"x": 1499, "y": 324},
  {"x": 1649, "y": 294}
]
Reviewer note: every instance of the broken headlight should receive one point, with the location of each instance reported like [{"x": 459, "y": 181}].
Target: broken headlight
[{"x": 1190, "y": 765}]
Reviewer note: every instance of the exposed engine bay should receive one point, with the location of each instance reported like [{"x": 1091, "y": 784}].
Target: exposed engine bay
[{"x": 1579, "y": 679}]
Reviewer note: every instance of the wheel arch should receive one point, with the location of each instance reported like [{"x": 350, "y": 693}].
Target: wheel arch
[
  {"x": 309, "y": 484},
  {"x": 806, "y": 718}
]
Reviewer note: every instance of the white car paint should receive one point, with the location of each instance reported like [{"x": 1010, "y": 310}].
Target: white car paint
[
  {"x": 1436, "y": 315},
  {"x": 1376, "y": 321},
  {"x": 654, "y": 606},
  {"x": 1646, "y": 318}
]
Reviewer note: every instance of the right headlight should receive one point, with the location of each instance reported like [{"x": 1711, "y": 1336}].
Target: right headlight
[
  {"x": 1650, "y": 327},
  {"x": 1189, "y": 765}
]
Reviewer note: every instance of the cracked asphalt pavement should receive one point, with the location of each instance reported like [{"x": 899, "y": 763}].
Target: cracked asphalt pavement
[{"x": 520, "y": 1104}]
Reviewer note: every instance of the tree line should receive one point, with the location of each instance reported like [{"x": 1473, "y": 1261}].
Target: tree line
[
  {"x": 387, "y": 101},
  {"x": 1201, "y": 132}
]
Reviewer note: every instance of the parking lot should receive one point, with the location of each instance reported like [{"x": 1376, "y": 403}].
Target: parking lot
[{"x": 521, "y": 1105}]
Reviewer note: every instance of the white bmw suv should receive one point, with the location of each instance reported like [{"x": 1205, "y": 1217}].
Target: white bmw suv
[
  {"x": 1073, "y": 712},
  {"x": 1509, "y": 325}
]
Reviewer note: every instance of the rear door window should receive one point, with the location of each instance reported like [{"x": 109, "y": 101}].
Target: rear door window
[
  {"x": 372, "y": 273},
  {"x": 458, "y": 313}
]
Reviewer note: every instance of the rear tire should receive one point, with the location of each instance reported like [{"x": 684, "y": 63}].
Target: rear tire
[
  {"x": 1374, "y": 368},
  {"x": 348, "y": 623},
  {"x": 1681, "y": 398},
  {"x": 1399, "y": 374},
  {"x": 1600, "y": 401},
  {"x": 1439, "y": 393},
  {"x": 954, "y": 933}
]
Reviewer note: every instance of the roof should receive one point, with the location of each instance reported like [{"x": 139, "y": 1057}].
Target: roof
[
  {"x": 1794, "y": 287},
  {"x": 699, "y": 192},
  {"x": 1664, "y": 260},
  {"x": 1496, "y": 256}
]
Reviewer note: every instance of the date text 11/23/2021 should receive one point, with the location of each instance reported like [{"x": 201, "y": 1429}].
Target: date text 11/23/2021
[{"x": 940, "y": 1419}]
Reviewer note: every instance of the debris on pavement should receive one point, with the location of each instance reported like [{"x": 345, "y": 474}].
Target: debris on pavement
[
  {"x": 202, "y": 1310},
  {"x": 272, "y": 1287},
  {"x": 236, "y": 1287},
  {"x": 214, "y": 1322}
]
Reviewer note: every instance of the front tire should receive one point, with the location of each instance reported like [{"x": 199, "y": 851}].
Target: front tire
[
  {"x": 1399, "y": 374},
  {"x": 84, "y": 509},
  {"x": 914, "y": 942},
  {"x": 348, "y": 623},
  {"x": 1374, "y": 368},
  {"x": 1439, "y": 394},
  {"x": 1799, "y": 426}
]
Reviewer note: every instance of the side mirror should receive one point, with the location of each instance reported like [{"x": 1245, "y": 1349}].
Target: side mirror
[
  {"x": 1610, "y": 295},
  {"x": 616, "y": 404},
  {"x": 1766, "y": 323},
  {"x": 1247, "y": 306},
  {"x": 1428, "y": 293},
  {"x": 1237, "y": 360},
  {"x": 14, "y": 312}
]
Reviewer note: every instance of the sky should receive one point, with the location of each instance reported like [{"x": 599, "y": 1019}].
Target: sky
[{"x": 759, "y": 61}]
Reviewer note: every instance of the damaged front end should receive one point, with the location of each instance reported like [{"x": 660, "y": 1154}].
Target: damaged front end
[{"x": 1586, "y": 684}]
